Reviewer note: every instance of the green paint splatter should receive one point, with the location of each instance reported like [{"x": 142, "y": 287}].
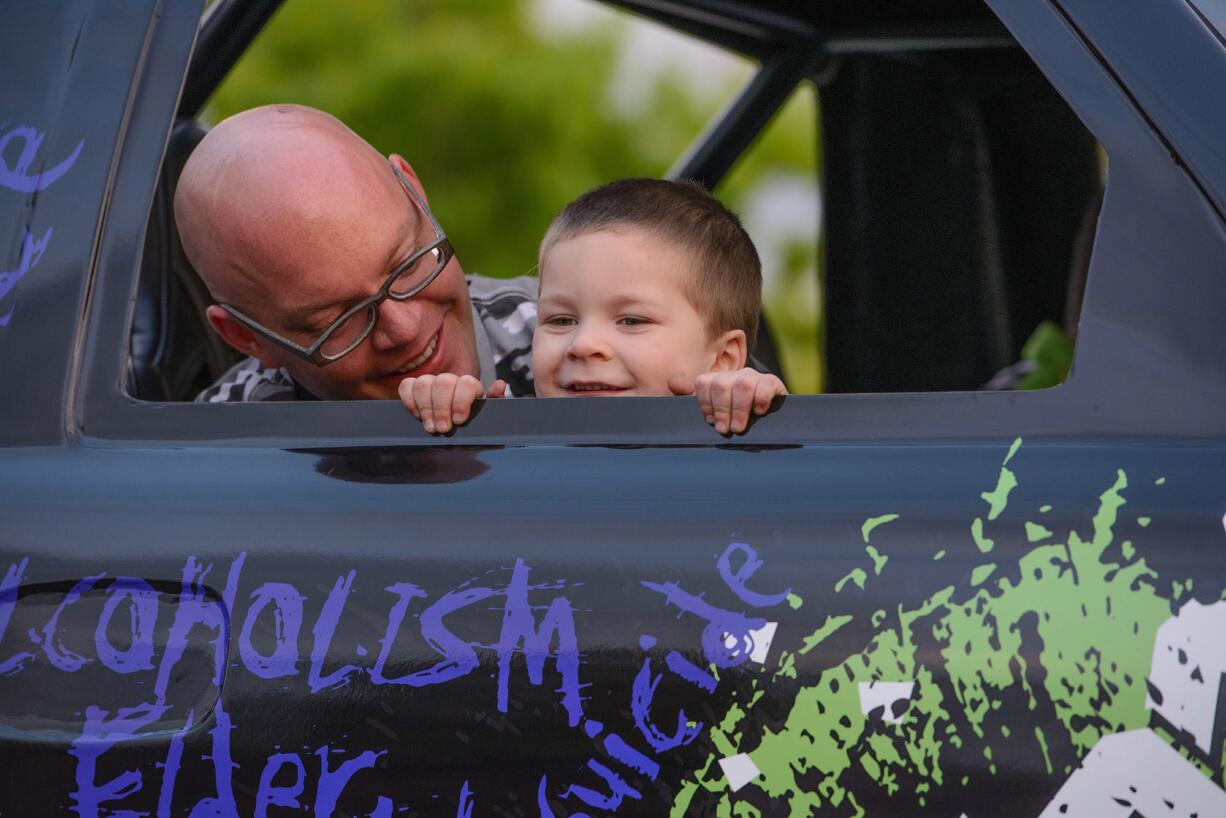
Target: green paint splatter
[
  {"x": 1036, "y": 532},
  {"x": 1144, "y": 522},
  {"x": 879, "y": 559},
  {"x": 873, "y": 522},
  {"x": 1042, "y": 739},
  {"x": 982, "y": 572},
  {"x": 857, "y": 576},
  {"x": 827, "y": 731},
  {"x": 985, "y": 545},
  {"x": 795, "y": 601},
  {"x": 685, "y": 795},
  {"x": 975, "y": 639},
  {"x": 939, "y": 555},
  {"x": 832, "y": 624},
  {"x": 998, "y": 498},
  {"x": 1046, "y": 507},
  {"x": 1161, "y": 481}
]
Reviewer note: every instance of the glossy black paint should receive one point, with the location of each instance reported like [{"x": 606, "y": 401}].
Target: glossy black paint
[
  {"x": 607, "y": 494},
  {"x": 590, "y": 515}
]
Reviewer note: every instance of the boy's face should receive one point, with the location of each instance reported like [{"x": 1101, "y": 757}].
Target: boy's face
[{"x": 614, "y": 319}]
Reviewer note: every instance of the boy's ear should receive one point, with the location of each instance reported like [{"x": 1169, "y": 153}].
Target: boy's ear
[
  {"x": 239, "y": 336},
  {"x": 731, "y": 352}
]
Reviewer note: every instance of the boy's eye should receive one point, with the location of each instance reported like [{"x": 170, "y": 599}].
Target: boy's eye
[
  {"x": 632, "y": 321},
  {"x": 560, "y": 321}
]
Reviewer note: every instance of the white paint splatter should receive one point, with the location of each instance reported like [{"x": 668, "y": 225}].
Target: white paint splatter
[
  {"x": 1136, "y": 773},
  {"x": 762, "y": 639},
  {"x": 759, "y": 642},
  {"x": 1186, "y": 672},
  {"x": 739, "y": 770},
  {"x": 883, "y": 695}
]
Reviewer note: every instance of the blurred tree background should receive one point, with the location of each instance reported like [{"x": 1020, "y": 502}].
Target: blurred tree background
[{"x": 508, "y": 109}]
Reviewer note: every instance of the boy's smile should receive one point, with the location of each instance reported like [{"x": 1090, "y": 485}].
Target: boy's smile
[{"x": 614, "y": 318}]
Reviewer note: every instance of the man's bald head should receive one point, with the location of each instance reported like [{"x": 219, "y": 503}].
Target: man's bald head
[
  {"x": 292, "y": 219},
  {"x": 267, "y": 186}
]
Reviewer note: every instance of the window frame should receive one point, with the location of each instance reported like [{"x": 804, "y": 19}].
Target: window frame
[{"x": 1114, "y": 389}]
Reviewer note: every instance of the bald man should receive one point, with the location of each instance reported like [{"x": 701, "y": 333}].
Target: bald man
[{"x": 329, "y": 270}]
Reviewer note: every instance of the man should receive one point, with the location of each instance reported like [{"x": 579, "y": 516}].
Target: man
[{"x": 329, "y": 270}]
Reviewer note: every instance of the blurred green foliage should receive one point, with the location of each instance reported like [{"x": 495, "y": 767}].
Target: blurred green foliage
[{"x": 505, "y": 124}]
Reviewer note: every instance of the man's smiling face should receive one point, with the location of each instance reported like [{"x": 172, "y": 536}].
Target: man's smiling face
[
  {"x": 431, "y": 332},
  {"x": 293, "y": 219}
]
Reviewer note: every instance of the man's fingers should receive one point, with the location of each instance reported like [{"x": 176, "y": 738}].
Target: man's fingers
[
  {"x": 467, "y": 390},
  {"x": 680, "y": 385},
  {"x": 406, "y": 397},
  {"x": 498, "y": 389},
  {"x": 443, "y": 398},
  {"x": 422, "y": 392}
]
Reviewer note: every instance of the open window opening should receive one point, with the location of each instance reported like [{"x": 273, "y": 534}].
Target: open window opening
[
  {"x": 924, "y": 206},
  {"x": 962, "y": 197}
]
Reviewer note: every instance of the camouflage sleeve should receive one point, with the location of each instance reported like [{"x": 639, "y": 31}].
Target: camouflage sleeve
[{"x": 507, "y": 313}]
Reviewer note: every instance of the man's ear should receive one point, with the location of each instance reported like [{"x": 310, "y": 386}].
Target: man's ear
[
  {"x": 407, "y": 169},
  {"x": 239, "y": 336},
  {"x": 731, "y": 351}
]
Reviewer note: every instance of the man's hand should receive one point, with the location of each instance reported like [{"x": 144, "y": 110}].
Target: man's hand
[
  {"x": 444, "y": 400},
  {"x": 726, "y": 398}
]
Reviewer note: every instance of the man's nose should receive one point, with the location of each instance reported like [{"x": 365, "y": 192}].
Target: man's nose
[
  {"x": 589, "y": 341},
  {"x": 399, "y": 324}
]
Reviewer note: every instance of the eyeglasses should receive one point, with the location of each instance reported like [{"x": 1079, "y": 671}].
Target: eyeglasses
[{"x": 344, "y": 334}]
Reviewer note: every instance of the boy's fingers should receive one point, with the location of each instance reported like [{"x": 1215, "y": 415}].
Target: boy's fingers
[
  {"x": 721, "y": 404},
  {"x": 680, "y": 385},
  {"x": 762, "y": 396},
  {"x": 466, "y": 391},
  {"x": 421, "y": 393},
  {"x": 702, "y": 390},
  {"x": 443, "y": 398},
  {"x": 498, "y": 389},
  {"x": 742, "y": 401},
  {"x": 767, "y": 389}
]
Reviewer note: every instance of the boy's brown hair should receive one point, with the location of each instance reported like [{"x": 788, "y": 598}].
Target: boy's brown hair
[{"x": 726, "y": 285}]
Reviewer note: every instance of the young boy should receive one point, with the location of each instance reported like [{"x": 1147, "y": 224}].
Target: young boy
[{"x": 648, "y": 287}]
